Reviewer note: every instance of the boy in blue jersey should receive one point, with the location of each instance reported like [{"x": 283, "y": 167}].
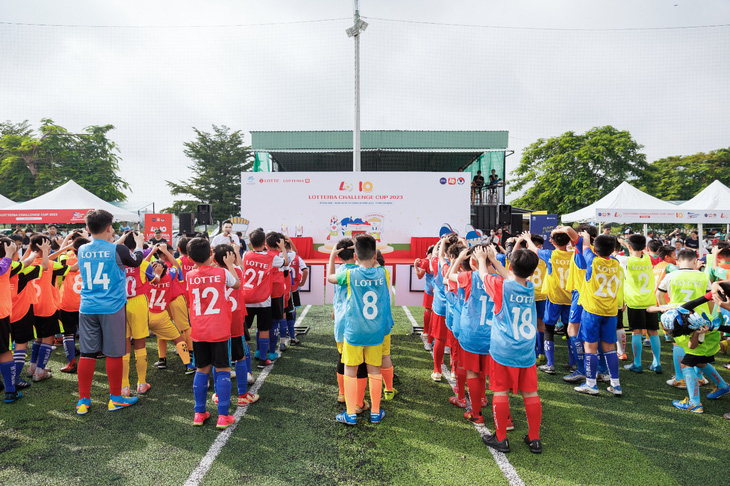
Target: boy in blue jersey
[
  {"x": 512, "y": 346},
  {"x": 102, "y": 314},
  {"x": 368, "y": 321}
]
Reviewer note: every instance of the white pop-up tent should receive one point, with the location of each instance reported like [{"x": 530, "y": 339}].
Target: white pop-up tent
[
  {"x": 716, "y": 196},
  {"x": 5, "y": 202},
  {"x": 613, "y": 206},
  {"x": 68, "y": 203}
]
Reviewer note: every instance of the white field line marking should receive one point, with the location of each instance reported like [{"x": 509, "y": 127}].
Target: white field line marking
[
  {"x": 500, "y": 458},
  {"x": 199, "y": 472}
]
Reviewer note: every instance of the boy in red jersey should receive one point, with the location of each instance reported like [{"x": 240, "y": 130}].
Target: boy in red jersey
[
  {"x": 276, "y": 246},
  {"x": 210, "y": 318},
  {"x": 299, "y": 274}
]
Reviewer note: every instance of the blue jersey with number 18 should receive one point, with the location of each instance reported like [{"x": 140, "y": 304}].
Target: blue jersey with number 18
[
  {"x": 368, "y": 319},
  {"x": 103, "y": 288},
  {"x": 515, "y": 322}
]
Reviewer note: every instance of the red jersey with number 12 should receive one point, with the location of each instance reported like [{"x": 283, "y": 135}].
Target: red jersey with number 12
[
  {"x": 257, "y": 279},
  {"x": 210, "y": 312}
]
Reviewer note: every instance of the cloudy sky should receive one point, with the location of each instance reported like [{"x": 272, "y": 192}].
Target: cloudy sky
[{"x": 535, "y": 68}]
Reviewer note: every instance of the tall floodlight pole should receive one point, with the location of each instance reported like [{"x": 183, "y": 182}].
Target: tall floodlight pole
[{"x": 354, "y": 31}]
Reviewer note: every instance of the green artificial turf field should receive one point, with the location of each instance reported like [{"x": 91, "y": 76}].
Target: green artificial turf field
[{"x": 290, "y": 436}]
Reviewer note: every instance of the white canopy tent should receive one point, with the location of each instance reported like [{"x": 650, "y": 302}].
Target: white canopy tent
[
  {"x": 5, "y": 202},
  {"x": 65, "y": 204},
  {"x": 712, "y": 204}
]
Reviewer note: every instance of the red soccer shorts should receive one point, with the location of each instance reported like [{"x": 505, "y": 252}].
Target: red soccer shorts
[
  {"x": 427, "y": 300},
  {"x": 504, "y": 378},
  {"x": 478, "y": 363},
  {"x": 438, "y": 326},
  {"x": 456, "y": 350}
]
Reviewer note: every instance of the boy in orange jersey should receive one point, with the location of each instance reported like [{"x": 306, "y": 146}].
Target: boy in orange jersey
[
  {"x": 8, "y": 267},
  {"x": 68, "y": 312}
]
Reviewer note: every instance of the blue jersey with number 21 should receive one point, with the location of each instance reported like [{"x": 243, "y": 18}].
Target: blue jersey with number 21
[
  {"x": 103, "y": 290},
  {"x": 515, "y": 322},
  {"x": 368, "y": 319}
]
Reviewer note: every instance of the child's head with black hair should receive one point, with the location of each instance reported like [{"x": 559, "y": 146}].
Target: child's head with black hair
[
  {"x": 537, "y": 240},
  {"x": 182, "y": 244},
  {"x": 202, "y": 234},
  {"x": 199, "y": 250},
  {"x": 129, "y": 240},
  {"x": 79, "y": 242},
  {"x": 36, "y": 240},
  {"x": 454, "y": 251},
  {"x": 98, "y": 221},
  {"x": 667, "y": 254},
  {"x": 159, "y": 264},
  {"x": 618, "y": 248},
  {"x": 220, "y": 252},
  {"x": 348, "y": 254},
  {"x": 637, "y": 242},
  {"x": 448, "y": 240},
  {"x": 652, "y": 245},
  {"x": 6, "y": 241},
  {"x": 604, "y": 245},
  {"x": 365, "y": 247},
  {"x": 429, "y": 252},
  {"x": 272, "y": 240},
  {"x": 560, "y": 239},
  {"x": 723, "y": 255},
  {"x": 687, "y": 258},
  {"x": 54, "y": 245},
  {"x": 523, "y": 263},
  {"x": 379, "y": 258},
  {"x": 257, "y": 238}
]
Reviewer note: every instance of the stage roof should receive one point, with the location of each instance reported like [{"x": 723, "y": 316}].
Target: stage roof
[{"x": 381, "y": 150}]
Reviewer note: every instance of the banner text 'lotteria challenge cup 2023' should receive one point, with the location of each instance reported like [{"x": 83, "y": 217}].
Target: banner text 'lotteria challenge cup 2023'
[{"x": 328, "y": 206}]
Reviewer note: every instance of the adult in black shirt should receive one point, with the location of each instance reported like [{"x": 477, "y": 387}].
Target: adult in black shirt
[
  {"x": 158, "y": 239},
  {"x": 693, "y": 241}
]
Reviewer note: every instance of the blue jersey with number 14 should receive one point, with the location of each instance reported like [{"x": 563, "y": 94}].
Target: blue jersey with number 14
[
  {"x": 103, "y": 288},
  {"x": 368, "y": 318},
  {"x": 515, "y": 322}
]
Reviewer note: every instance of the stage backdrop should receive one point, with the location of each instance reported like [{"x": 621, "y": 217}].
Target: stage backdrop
[{"x": 390, "y": 206}]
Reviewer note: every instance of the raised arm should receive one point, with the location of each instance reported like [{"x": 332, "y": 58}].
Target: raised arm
[{"x": 453, "y": 274}]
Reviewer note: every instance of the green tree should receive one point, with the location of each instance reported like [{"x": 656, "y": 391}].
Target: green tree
[
  {"x": 218, "y": 158},
  {"x": 565, "y": 173},
  {"x": 679, "y": 178}
]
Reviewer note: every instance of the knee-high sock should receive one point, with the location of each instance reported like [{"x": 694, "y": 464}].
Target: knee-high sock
[
  {"x": 200, "y": 390},
  {"x": 621, "y": 341},
  {"x": 602, "y": 364},
  {"x": 550, "y": 352},
  {"x": 125, "y": 370},
  {"x": 362, "y": 386},
  {"x": 426, "y": 321},
  {"x": 85, "y": 376},
  {"x": 571, "y": 351},
  {"x": 290, "y": 326},
  {"x": 341, "y": 383},
  {"x": 247, "y": 354},
  {"x": 376, "y": 391},
  {"x": 540, "y": 343},
  {"x": 710, "y": 372},
  {"x": 283, "y": 329},
  {"x": 34, "y": 350},
  {"x": 693, "y": 385},
  {"x": 461, "y": 383},
  {"x": 612, "y": 362},
  {"x": 69, "y": 346},
  {"x": 8, "y": 371},
  {"x": 161, "y": 348},
  {"x": 182, "y": 351},
  {"x": 140, "y": 362},
  {"x": 387, "y": 377},
  {"x": 476, "y": 392},
  {"x": 637, "y": 344},
  {"x": 274, "y": 337},
  {"x": 350, "y": 393},
  {"x": 677, "y": 355},
  {"x": 19, "y": 359},
  {"x": 223, "y": 388},
  {"x": 533, "y": 409},
  {"x": 591, "y": 365},
  {"x": 438, "y": 354},
  {"x": 263, "y": 348},
  {"x": 114, "y": 375},
  {"x": 44, "y": 354},
  {"x": 656, "y": 349},
  {"x": 578, "y": 350},
  {"x": 241, "y": 377},
  {"x": 500, "y": 410}
]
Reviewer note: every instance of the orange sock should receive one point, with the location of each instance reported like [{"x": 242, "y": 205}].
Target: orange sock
[
  {"x": 350, "y": 393},
  {"x": 362, "y": 385},
  {"x": 341, "y": 383},
  {"x": 376, "y": 390},
  {"x": 387, "y": 377}
]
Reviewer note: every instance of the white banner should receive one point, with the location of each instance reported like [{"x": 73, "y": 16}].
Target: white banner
[
  {"x": 391, "y": 206},
  {"x": 661, "y": 216}
]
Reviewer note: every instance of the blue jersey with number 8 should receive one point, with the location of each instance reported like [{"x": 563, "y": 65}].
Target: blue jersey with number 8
[
  {"x": 515, "y": 322},
  {"x": 103, "y": 280},
  {"x": 368, "y": 317}
]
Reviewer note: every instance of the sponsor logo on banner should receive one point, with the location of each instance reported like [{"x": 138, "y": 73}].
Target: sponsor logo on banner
[
  {"x": 691, "y": 215},
  {"x": 442, "y": 181},
  {"x": 461, "y": 181},
  {"x": 251, "y": 180},
  {"x": 452, "y": 181},
  {"x": 78, "y": 215},
  {"x": 362, "y": 186}
]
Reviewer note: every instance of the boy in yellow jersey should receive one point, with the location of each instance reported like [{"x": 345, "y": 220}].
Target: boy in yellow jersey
[
  {"x": 685, "y": 284},
  {"x": 601, "y": 297},
  {"x": 639, "y": 295},
  {"x": 557, "y": 303}
]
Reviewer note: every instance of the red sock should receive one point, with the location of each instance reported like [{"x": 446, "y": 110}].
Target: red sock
[
  {"x": 483, "y": 385},
  {"x": 476, "y": 392},
  {"x": 500, "y": 409},
  {"x": 461, "y": 383},
  {"x": 114, "y": 374},
  {"x": 533, "y": 409},
  {"x": 86, "y": 376},
  {"x": 438, "y": 354},
  {"x": 426, "y": 321}
]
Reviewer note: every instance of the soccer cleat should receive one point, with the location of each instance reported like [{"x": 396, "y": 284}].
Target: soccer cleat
[
  {"x": 616, "y": 390},
  {"x": 574, "y": 377},
  {"x": 21, "y": 384},
  {"x": 390, "y": 394},
  {"x": 623, "y": 357},
  {"x": 340, "y": 398},
  {"x": 247, "y": 399},
  {"x": 726, "y": 416},
  {"x": 294, "y": 340},
  {"x": 647, "y": 343},
  {"x": 250, "y": 379},
  {"x": 656, "y": 369},
  {"x": 119, "y": 402},
  {"x": 546, "y": 368},
  {"x": 484, "y": 403},
  {"x": 143, "y": 388},
  {"x": 436, "y": 376},
  {"x": 603, "y": 377},
  {"x": 458, "y": 402},
  {"x": 510, "y": 424},
  {"x": 360, "y": 409},
  {"x": 704, "y": 381},
  {"x": 687, "y": 405},
  {"x": 634, "y": 368},
  {"x": 214, "y": 398},
  {"x": 677, "y": 383},
  {"x": 376, "y": 418},
  {"x": 190, "y": 370},
  {"x": 534, "y": 445},
  {"x": 428, "y": 346},
  {"x": 570, "y": 367},
  {"x": 541, "y": 359},
  {"x": 447, "y": 350},
  {"x": 12, "y": 397},
  {"x": 263, "y": 364},
  {"x": 491, "y": 441},
  {"x": 161, "y": 364},
  {"x": 346, "y": 418},
  {"x": 43, "y": 376},
  {"x": 474, "y": 418},
  {"x": 125, "y": 392},
  {"x": 588, "y": 390},
  {"x": 273, "y": 356},
  {"x": 83, "y": 406},
  {"x": 715, "y": 394},
  {"x": 224, "y": 421},
  {"x": 72, "y": 367},
  {"x": 200, "y": 418},
  {"x": 30, "y": 372}
]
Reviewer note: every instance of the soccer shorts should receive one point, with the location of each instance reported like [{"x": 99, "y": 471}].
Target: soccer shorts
[
  {"x": 576, "y": 310},
  {"x": 356, "y": 355},
  {"x": 178, "y": 310},
  {"x": 162, "y": 326},
  {"x": 296, "y": 299},
  {"x": 540, "y": 307},
  {"x": 103, "y": 332},
  {"x": 215, "y": 354},
  {"x": 47, "y": 326},
  {"x": 138, "y": 318},
  {"x": 478, "y": 363},
  {"x": 438, "y": 326},
  {"x": 263, "y": 321},
  {"x": 641, "y": 319},
  {"x": 554, "y": 313},
  {"x": 70, "y": 321},
  {"x": 594, "y": 328},
  {"x": 450, "y": 338},
  {"x": 237, "y": 353},
  {"x": 505, "y": 378},
  {"x": 386, "y": 345},
  {"x": 277, "y": 308},
  {"x": 339, "y": 349},
  {"x": 289, "y": 306},
  {"x": 5, "y": 335},
  {"x": 427, "y": 300},
  {"x": 22, "y": 330},
  {"x": 694, "y": 360}
]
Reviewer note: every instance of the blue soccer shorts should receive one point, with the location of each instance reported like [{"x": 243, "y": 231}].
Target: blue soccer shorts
[
  {"x": 594, "y": 328},
  {"x": 554, "y": 313},
  {"x": 576, "y": 310}
]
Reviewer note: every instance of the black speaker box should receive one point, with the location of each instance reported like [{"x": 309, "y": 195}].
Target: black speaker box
[
  {"x": 205, "y": 214},
  {"x": 187, "y": 223}
]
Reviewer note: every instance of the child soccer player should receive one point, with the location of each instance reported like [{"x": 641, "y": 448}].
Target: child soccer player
[
  {"x": 298, "y": 274},
  {"x": 367, "y": 321},
  {"x": 102, "y": 315},
  {"x": 276, "y": 245},
  {"x": 438, "y": 308},
  {"x": 454, "y": 304},
  {"x": 423, "y": 269},
  {"x": 68, "y": 312},
  {"x": 8, "y": 268},
  {"x": 512, "y": 343},
  {"x": 639, "y": 295},
  {"x": 210, "y": 319}
]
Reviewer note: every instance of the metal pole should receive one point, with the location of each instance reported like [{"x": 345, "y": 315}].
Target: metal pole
[{"x": 356, "y": 129}]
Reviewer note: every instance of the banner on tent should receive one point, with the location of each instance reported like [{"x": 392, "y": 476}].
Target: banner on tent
[
  {"x": 43, "y": 216},
  {"x": 390, "y": 206},
  {"x": 661, "y": 216}
]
